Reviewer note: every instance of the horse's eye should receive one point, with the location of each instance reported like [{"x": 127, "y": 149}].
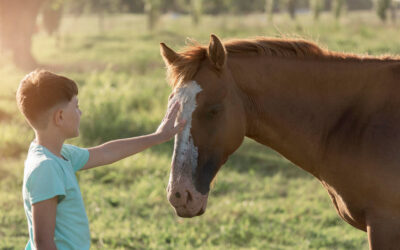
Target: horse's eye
[{"x": 214, "y": 110}]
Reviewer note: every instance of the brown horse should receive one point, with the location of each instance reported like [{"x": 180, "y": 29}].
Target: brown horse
[{"x": 337, "y": 116}]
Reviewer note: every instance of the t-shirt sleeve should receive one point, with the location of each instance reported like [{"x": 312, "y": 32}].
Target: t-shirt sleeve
[
  {"x": 78, "y": 156},
  {"x": 45, "y": 182}
]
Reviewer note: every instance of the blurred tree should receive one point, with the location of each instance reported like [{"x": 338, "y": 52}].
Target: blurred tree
[
  {"x": 359, "y": 4},
  {"x": 134, "y": 6},
  {"x": 17, "y": 26},
  {"x": 291, "y": 7},
  {"x": 272, "y": 6},
  {"x": 393, "y": 9},
  {"x": 76, "y": 7},
  {"x": 180, "y": 6},
  {"x": 317, "y": 6},
  {"x": 152, "y": 9},
  {"x": 101, "y": 8},
  {"x": 337, "y": 8},
  {"x": 234, "y": 6},
  {"x": 192, "y": 7},
  {"x": 208, "y": 6},
  {"x": 215, "y": 7},
  {"x": 52, "y": 13},
  {"x": 196, "y": 10},
  {"x": 381, "y": 8},
  {"x": 239, "y": 6},
  {"x": 269, "y": 8}
]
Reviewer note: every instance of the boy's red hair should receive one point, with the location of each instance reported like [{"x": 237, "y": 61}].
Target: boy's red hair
[{"x": 40, "y": 91}]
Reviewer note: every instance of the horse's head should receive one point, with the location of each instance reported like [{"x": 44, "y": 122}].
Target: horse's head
[{"x": 215, "y": 127}]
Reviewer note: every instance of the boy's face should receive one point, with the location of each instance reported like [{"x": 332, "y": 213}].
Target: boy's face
[{"x": 72, "y": 115}]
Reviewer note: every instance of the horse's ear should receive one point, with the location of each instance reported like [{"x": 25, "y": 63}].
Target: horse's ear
[
  {"x": 217, "y": 52},
  {"x": 168, "y": 54}
]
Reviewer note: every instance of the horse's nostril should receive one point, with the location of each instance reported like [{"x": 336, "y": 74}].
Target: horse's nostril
[
  {"x": 189, "y": 197},
  {"x": 177, "y": 195}
]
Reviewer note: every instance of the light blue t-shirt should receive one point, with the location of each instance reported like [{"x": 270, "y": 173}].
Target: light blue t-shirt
[{"x": 47, "y": 176}]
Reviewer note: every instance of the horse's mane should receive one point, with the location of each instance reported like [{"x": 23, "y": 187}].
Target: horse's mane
[{"x": 188, "y": 63}]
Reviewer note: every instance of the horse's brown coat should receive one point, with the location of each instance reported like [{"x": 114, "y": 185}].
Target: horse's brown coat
[{"x": 335, "y": 115}]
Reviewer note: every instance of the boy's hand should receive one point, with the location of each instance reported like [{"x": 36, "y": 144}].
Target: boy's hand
[
  {"x": 167, "y": 128},
  {"x": 116, "y": 150}
]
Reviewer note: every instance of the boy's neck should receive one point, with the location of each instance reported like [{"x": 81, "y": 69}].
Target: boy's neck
[{"x": 50, "y": 141}]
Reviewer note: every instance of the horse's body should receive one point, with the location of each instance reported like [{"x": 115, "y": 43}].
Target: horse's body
[{"x": 336, "y": 116}]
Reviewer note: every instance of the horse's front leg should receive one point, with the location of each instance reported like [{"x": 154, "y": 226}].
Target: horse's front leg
[{"x": 384, "y": 232}]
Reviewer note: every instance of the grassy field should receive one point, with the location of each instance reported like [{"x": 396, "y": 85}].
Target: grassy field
[{"x": 260, "y": 200}]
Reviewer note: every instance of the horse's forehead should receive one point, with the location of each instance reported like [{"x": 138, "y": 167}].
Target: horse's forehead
[
  {"x": 187, "y": 89},
  {"x": 186, "y": 94},
  {"x": 197, "y": 92}
]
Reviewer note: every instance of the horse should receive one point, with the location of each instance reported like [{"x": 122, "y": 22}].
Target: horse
[{"x": 335, "y": 115}]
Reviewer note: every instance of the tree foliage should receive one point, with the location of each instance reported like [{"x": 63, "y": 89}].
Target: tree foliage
[
  {"x": 291, "y": 7},
  {"x": 382, "y": 7},
  {"x": 207, "y": 6},
  {"x": 152, "y": 9},
  {"x": 316, "y": 6},
  {"x": 18, "y": 17},
  {"x": 337, "y": 8},
  {"x": 270, "y": 6},
  {"x": 52, "y": 13},
  {"x": 196, "y": 10}
]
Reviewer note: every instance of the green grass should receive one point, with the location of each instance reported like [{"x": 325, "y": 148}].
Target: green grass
[{"x": 260, "y": 200}]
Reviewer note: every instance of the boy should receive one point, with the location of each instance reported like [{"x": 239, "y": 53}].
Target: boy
[{"x": 52, "y": 199}]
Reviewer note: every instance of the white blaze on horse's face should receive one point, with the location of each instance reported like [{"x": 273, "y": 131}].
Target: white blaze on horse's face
[
  {"x": 185, "y": 151},
  {"x": 182, "y": 194}
]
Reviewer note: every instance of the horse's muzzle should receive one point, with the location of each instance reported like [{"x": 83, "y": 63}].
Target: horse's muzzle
[{"x": 186, "y": 200}]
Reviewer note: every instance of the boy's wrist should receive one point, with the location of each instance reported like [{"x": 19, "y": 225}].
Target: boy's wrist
[{"x": 161, "y": 137}]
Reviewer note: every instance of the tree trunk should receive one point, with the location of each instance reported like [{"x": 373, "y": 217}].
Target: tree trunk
[
  {"x": 393, "y": 10},
  {"x": 382, "y": 7},
  {"x": 52, "y": 17},
  {"x": 17, "y": 25},
  {"x": 196, "y": 10},
  {"x": 269, "y": 9},
  {"x": 291, "y": 5},
  {"x": 152, "y": 9},
  {"x": 337, "y": 8}
]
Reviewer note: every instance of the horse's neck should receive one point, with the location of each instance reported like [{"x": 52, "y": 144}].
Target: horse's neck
[{"x": 292, "y": 103}]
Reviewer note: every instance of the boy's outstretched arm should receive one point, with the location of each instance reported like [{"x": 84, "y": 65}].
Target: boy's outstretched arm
[{"x": 116, "y": 150}]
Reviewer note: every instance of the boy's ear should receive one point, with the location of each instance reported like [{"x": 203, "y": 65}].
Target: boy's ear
[{"x": 58, "y": 117}]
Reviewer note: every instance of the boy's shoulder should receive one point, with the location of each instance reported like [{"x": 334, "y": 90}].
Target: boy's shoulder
[
  {"x": 39, "y": 161},
  {"x": 37, "y": 157},
  {"x": 77, "y": 156},
  {"x": 69, "y": 150}
]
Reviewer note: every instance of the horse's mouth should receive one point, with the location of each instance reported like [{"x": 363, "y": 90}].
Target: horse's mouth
[
  {"x": 185, "y": 213},
  {"x": 200, "y": 212}
]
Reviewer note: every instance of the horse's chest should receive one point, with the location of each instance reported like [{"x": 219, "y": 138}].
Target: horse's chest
[{"x": 348, "y": 211}]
